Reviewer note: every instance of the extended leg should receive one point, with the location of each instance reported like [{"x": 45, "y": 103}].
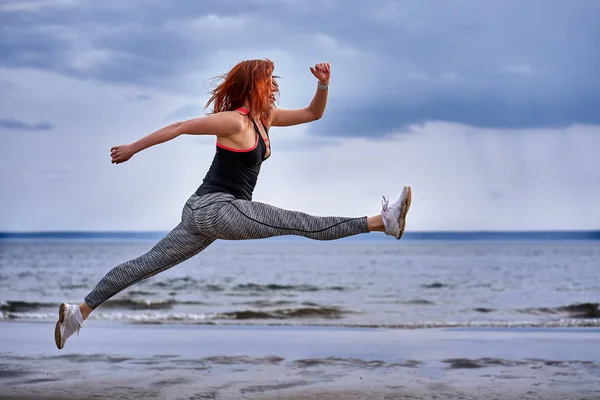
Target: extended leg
[
  {"x": 179, "y": 245},
  {"x": 241, "y": 219},
  {"x": 182, "y": 243}
]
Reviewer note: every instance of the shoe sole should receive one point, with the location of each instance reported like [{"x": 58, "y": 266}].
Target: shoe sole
[
  {"x": 61, "y": 318},
  {"x": 404, "y": 211}
]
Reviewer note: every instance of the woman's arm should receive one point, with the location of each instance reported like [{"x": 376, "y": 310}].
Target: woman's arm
[
  {"x": 220, "y": 124},
  {"x": 316, "y": 108}
]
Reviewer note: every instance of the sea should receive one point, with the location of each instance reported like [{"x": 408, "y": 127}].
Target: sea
[{"x": 425, "y": 280}]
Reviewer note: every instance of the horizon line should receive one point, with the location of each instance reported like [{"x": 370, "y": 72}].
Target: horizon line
[
  {"x": 564, "y": 234},
  {"x": 414, "y": 231}
]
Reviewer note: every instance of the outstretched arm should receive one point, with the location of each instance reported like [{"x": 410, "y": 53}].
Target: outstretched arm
[
  {"x": 316, "y": 108},
  {"x": 220, "y": 124}
]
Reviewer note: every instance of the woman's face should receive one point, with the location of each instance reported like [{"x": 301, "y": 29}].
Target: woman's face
[{"x": 271, "y": 100}]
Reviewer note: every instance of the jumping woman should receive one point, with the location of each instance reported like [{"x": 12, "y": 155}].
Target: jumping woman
[{"x": 222, "y": 207}]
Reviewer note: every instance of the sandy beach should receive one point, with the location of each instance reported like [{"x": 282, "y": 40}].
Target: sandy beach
[{"x": 118, "y": 361}]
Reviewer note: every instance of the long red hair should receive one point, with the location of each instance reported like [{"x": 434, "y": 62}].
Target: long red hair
[{"x": 247, "y": 80}]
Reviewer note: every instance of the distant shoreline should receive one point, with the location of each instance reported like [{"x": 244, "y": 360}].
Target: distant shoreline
[{"x": 415, "y": 235}]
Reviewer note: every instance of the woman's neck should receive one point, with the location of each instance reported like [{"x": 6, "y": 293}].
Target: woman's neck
[{"x": 251, "y": 113}]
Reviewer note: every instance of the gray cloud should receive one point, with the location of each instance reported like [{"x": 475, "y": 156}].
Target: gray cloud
[
  {"x": 497, "y": 194},
  {"x": 7, "y": 86},
  {"x": 140, "y": 97},
  {"x": 388, "y": 117},
  {"x": 513, "y": 64},
  {"x": 14, "y": 124}
]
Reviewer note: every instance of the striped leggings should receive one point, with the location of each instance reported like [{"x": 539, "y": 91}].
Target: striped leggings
[{"x": 215, "y": 216}]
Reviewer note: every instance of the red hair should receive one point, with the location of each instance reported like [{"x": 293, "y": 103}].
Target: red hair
[{"x": 247, "y": 80}]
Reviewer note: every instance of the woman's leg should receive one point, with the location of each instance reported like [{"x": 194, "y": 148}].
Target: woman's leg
[
  {"x": 179, "y": 245},
  {"x": 182, "y": 243},
  {"x": 241, "y": 219}
]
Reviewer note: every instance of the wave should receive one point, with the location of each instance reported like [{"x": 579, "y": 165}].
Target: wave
[
  {"x": 435, "y": 285},
  {"x": 269, "y": 287},
  {"x": 189, "y": 283},
  {"x": 139, "y": 293},
  {"x": 583, "y": 310},
  {"x": 310, "y": 309},
  {"x": 276, "y": 303},
  {"x": 131, "y": 304},
  {"x": 419, "y": 302},
  {"x": 126, "y": 303},
  {"x": 414, "y": 302},
  {"x": 23, "y": 306},
  {"x": 577, "y": 310},
  {"x": 483, "y": 310},
  {"x": 287, "y": 313},
  {"x": 117, "y": 311},
  {"x": 297, "y": 318},
  {"x": 73, "y": 286},
  {"x": 181, "y": 283}
]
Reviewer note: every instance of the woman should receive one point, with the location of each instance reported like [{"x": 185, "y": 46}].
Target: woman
[{"x": 222, "y": 207}]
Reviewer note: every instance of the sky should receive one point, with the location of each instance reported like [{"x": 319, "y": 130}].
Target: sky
[{"x": 490, "y": 110}]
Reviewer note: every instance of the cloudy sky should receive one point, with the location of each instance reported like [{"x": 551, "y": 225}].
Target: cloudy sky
[{"x": 490, "y": 110}]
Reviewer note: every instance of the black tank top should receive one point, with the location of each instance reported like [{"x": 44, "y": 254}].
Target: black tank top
[{"x": 235, "y": 171}]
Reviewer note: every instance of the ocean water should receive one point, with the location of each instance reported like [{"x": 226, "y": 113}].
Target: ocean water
[{"x": 379, "y": 283}]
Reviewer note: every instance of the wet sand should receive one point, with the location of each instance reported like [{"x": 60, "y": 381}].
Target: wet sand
[{"x": 116, "y": 361}]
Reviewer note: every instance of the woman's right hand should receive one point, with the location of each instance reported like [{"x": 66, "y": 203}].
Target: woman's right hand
[{"x": 122, "y": 153}]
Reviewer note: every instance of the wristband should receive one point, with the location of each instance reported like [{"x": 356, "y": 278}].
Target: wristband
[{"x": 323, "y": 87}]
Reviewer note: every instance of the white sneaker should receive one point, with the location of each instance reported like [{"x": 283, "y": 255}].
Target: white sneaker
[
  {"x": 394, "y": 216},
  {"x": 69, "y": 321}
]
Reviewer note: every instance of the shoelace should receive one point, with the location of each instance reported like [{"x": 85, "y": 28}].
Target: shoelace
[
  {"x": 385, "y": 204},
  {"x": 77, "y": 324}
]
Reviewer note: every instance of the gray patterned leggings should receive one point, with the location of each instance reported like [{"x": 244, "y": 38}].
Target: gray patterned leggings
[{"x": 219, "y": 216}]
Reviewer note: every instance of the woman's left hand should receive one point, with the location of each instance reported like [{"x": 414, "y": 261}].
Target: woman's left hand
[{"x": 322, "y": 72}]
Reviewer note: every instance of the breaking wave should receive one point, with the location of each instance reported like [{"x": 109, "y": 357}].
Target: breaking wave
[
  {"x": 188, "y": 283},
  {"x": 578, "y": 310},
  {"x": 287, "y": 313}
]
